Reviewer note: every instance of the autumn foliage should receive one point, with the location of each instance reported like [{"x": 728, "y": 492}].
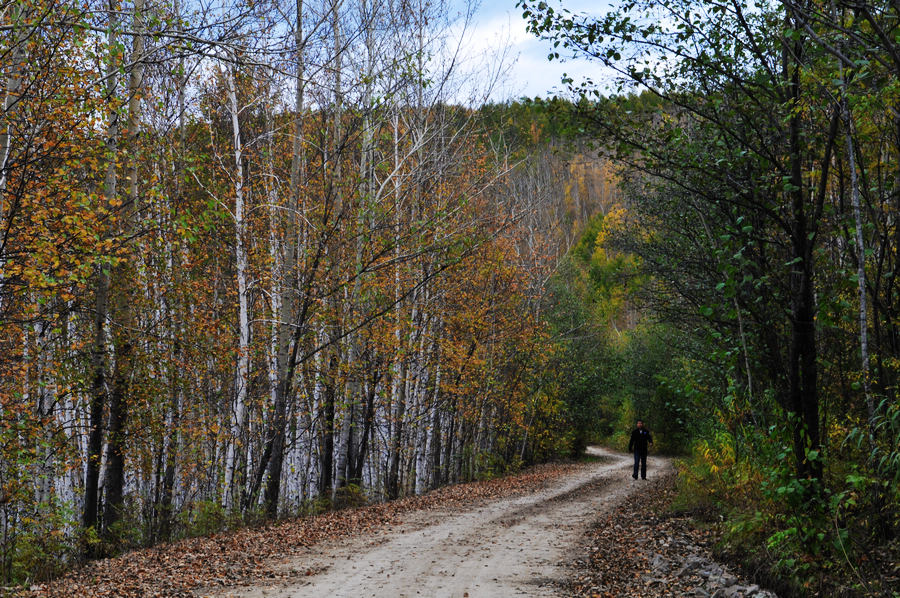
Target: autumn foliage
[{"x": 256, "y": 270}]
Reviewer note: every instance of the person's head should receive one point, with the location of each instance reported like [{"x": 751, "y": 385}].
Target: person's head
[{"x": 640, "y": 423}]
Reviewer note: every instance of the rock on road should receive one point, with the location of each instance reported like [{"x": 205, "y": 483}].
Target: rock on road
[{"x": 507, "y": 547}]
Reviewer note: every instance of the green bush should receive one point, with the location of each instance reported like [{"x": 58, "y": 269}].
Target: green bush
[
  {"x": 203, "y": 518},
  {"x": 43, "y": 545},
  {"x": 349, "y": 497}
]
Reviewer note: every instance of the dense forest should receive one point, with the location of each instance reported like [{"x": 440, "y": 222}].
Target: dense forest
[
  {"x": 259, "y": 260},
  {"x": 759, "y": 152},
  {"x": 264, "y": 259}
]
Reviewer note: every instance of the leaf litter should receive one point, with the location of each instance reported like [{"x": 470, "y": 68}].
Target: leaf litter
[
  {"x": 183, "y": 568},
  {"x": 642, "y": 548}
]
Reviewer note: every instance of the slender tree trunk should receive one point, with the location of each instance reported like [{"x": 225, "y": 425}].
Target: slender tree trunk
[
  {"x": 368, "y": 422},
  {"x": 43, "y": 473},
  {"x": 349, "y": 432},
  {"x": 122, "y": 300},
  {"x": 174, "y": 424},
  {"x": 115, "y": 450},
  {"x": 235, "y": 444},
  {"x": 347, "y": 454},
  {"x": 98, "y": 400},
  {"x": 804, "y": 399},
  {"x": 280, "y": 243},
  {"x": 18, "y": 14},
  {"x": 289, "y": 283},
  {"x": 446, "y": 473},
  {"x": 327, "y": 446},
  {"x": 177, "y": 329},
  {"x": 326, "y": 452},
  {"x": 860, "y": 262},
  {"x": 90, "y": 513},
  {"x": 393, "y": 481},
  {"x": 435, "y": 456}
]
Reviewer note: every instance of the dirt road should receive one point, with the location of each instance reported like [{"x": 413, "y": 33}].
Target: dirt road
[{"x": 508, "y": 547}]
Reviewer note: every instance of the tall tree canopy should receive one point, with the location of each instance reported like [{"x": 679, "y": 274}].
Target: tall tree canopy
[
  {"x": 760, "y": 153},
  {"x": 257, "y": 260}
]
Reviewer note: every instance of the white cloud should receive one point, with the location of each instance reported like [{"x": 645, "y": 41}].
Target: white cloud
[{"x": 499, "y": 25}]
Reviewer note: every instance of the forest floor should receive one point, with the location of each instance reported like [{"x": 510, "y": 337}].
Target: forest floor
[{"x": 580, "y": 529}]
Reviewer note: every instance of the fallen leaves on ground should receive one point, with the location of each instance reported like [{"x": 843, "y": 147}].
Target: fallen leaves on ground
[
  {"x": 241, "y": 557},
  {"x": 640, "y": 548}
]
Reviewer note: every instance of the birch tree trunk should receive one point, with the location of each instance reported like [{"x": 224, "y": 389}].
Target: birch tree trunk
[
  {"x": 847, "y": 117},
  {"x": 243, "y": 366},
  {"x": 398, "y": 377},
  {"x": 860, "y": 263},
  {"x": 333, "y": 209},
  {"x": 435, "y": 448},
  {"x": 122, "y": 301},
  {"x": 90, "y": 512},
  {"x": 349, "y": 432},
  {"x": 393, "y": 481},
  {"x": 289, "y": 280},
  {"x": 176, "y": 328},
  {"x": 18, "y": 15}
]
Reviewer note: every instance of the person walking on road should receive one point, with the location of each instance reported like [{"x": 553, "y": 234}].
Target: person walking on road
[{"x": 640, "y": 439}]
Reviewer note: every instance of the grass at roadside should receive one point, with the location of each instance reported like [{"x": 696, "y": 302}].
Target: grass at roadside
[{"x": 800, "y": 542}]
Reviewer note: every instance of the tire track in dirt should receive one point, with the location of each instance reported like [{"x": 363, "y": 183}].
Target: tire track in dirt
[{"x": 507, "y": 547}]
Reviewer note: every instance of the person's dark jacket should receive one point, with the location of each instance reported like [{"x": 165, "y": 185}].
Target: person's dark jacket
[{"x": 640, "y": 438}]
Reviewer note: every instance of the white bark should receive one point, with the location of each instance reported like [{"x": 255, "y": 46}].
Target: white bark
[
  {"x": 279, "y": 270},
  {"x": 860, "y": 264},
  {"x": 860, "y": 243},
  {"x": 44, "y": 409},
  {"x": 10, "y": 100},
  {"x": 243, "y": 365}
]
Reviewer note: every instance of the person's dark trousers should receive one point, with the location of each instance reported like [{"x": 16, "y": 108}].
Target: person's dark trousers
[{"x": 641, "y": 460}]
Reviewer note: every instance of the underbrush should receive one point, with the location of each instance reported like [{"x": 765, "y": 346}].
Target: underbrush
[{"x": 839, "y": 536}]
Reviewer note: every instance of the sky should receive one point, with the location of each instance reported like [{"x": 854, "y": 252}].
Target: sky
[{"x": 498, "y": 24}]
